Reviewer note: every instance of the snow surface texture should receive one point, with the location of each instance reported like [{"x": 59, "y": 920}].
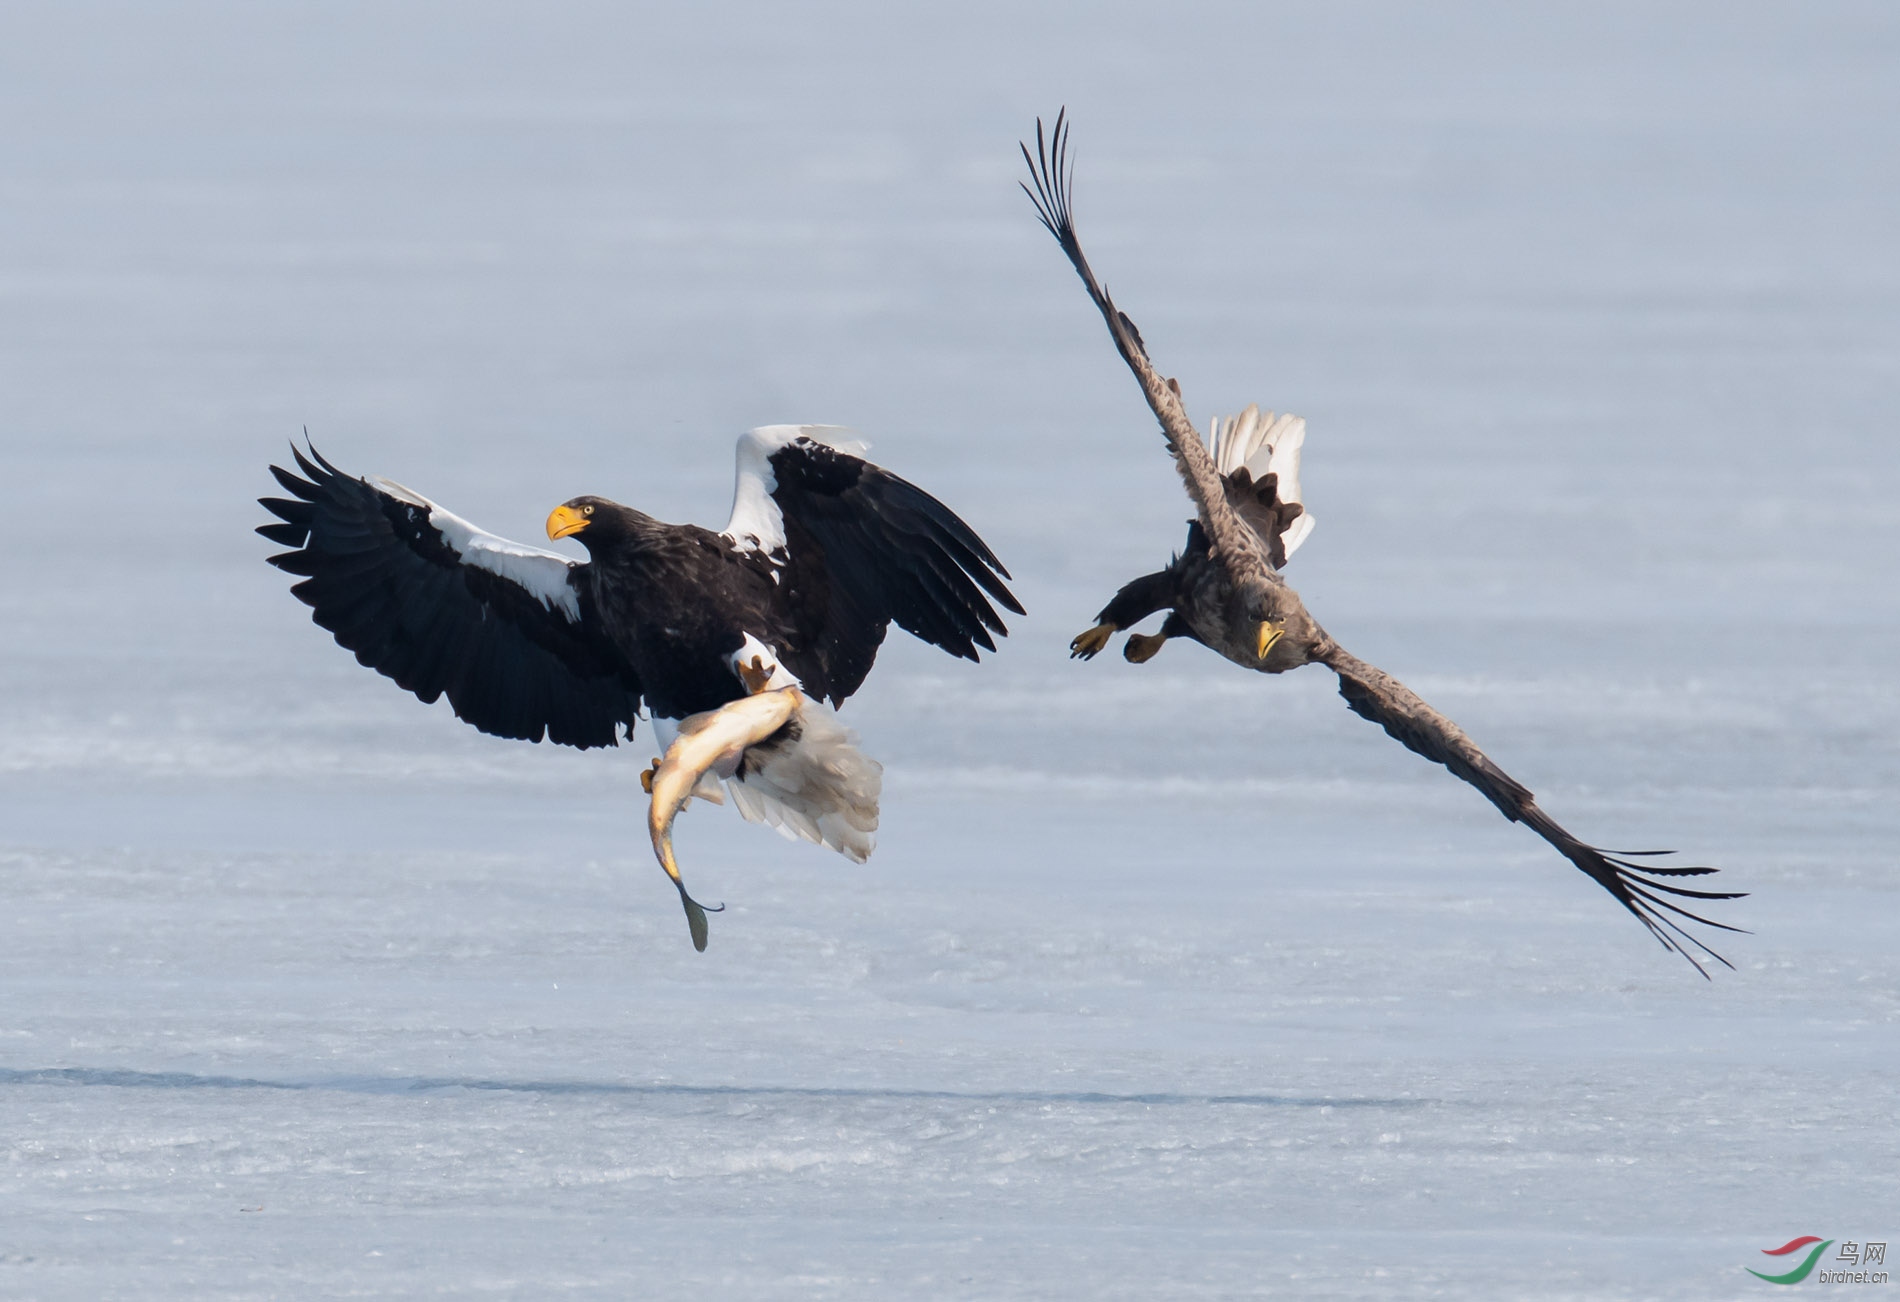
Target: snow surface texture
[{"x": 307, "y": 990}]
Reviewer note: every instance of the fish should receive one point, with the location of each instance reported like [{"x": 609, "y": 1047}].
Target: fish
[{"x": 711, "y": 742}]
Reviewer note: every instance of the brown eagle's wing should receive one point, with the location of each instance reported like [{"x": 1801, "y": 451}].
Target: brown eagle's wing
[
  {"x": 1376, "y": 695},
  {"x": 1053, "y": 180}
]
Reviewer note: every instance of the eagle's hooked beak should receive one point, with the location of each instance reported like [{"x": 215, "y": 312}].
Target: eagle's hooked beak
[
  {"x": 565, "y": 520},
  {"x": 1268, "y": 634}
]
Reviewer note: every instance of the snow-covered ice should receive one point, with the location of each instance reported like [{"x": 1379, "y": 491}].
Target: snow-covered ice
[{"x": 1165, "y": 981}]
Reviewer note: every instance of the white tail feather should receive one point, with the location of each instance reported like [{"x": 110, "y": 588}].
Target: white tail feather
[
  {"x": 1265, "y": 444},
  {"x": 820, "y": 788}
]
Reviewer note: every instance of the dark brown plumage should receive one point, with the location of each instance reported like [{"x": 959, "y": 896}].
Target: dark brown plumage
[{"x": 1225, "y": 591}]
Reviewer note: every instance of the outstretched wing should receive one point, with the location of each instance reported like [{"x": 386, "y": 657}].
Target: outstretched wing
[
  {"x": 856, "y": 548},
  {"x": 1053, "y": 180},
  {"x": 1258, "y": 458},
  {"x": 1376, "y": 695},
  {"x": 424, "y": 597}
]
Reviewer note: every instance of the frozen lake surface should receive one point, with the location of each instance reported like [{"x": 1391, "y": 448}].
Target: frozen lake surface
[{"x": 1165, "y": 981}]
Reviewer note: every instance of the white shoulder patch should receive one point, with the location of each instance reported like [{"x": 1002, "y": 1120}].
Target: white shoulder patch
[
  {"x": 543, "y": 573},
  {"x": 757, "y": 524},
  {"x": 1265, "y": 444}
]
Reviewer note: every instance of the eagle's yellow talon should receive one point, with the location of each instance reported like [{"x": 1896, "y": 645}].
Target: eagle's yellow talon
[
  {"x": 756, "y": 675},
  {"x": 1086, "y": 645},
  {"x": 646, "y": 777},
  {"x": 1141, "y": 648}
]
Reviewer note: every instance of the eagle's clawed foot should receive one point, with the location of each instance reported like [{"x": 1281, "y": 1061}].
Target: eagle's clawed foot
[
  {"x": 646, "y": 776},
  {"x": 1141, "y": 647},
  {"x": 756, "y": 675},
  {"x": 1087, "y": 645}
]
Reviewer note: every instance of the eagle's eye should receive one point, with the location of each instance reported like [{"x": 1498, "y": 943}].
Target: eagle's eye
[{"x": 587, "y": 510}]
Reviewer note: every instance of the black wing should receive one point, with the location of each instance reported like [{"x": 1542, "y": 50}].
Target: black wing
[
  {"x": 1376, "y": 695},
  {"x": 427, "y": 599},
  {"x": 861, "y": 548}
]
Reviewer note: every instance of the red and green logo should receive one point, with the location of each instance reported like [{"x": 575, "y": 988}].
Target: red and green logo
[{"x": 1801, "y": 1271}]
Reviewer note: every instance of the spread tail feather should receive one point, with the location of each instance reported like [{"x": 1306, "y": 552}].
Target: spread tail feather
[
  {"x": 1264, "y": 443},
  {"x": 811, "y": 782}
]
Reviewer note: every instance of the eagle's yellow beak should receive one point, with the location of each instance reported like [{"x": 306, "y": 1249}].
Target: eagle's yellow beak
[
  {"x": 563, "y": 521},
  {"x": 1268, "y": 634}
]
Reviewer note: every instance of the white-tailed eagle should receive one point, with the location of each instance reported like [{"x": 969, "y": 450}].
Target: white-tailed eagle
[{"x": 1225, "y": 591}]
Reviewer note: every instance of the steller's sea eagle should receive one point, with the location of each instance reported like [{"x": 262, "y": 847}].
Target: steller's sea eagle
[
  {"x": 1225, "y": 591},
  {"x": 823, "y": 552}
]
